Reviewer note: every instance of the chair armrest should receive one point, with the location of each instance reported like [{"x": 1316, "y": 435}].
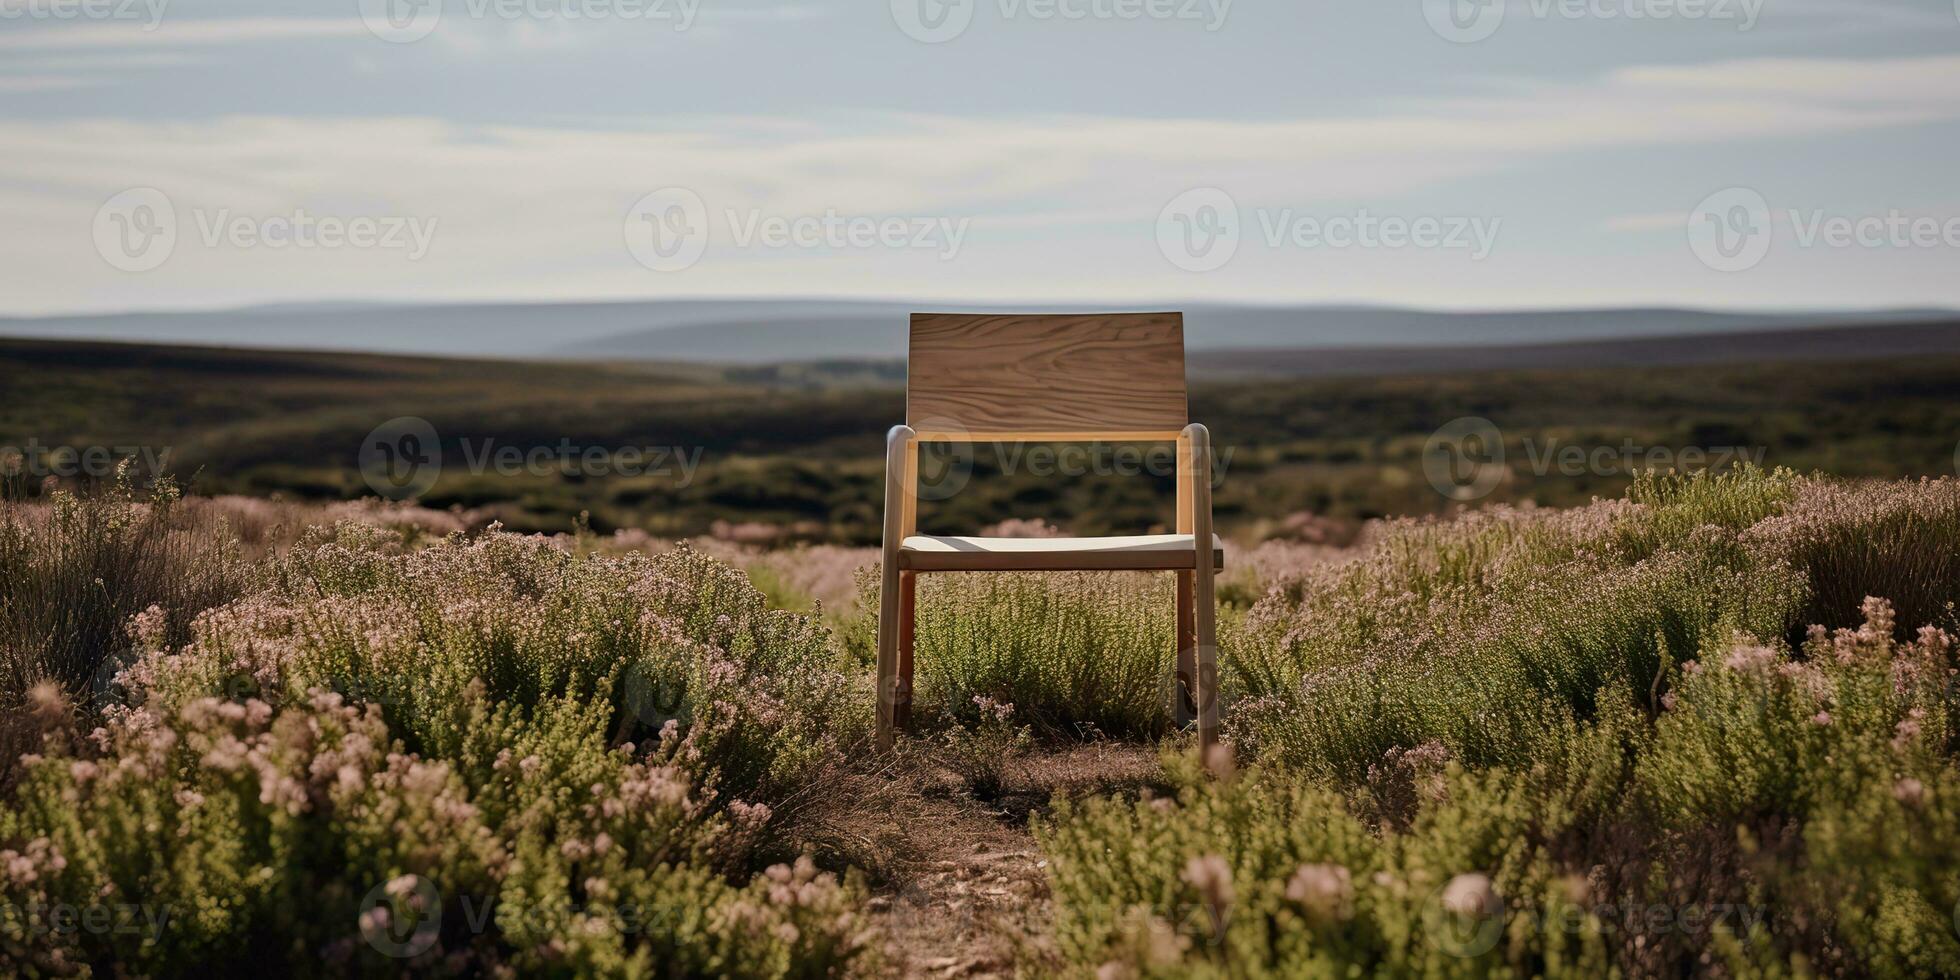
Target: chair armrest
[
  {"x": 1194, "y": 489},
  {"x": 898, "y": 505}
]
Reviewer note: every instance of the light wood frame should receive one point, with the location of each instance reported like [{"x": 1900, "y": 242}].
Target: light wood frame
[{"x": 1195, "y": 685}]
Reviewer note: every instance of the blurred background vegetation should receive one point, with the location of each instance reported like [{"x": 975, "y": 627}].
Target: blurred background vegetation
[{"x": 796, "y": 452}]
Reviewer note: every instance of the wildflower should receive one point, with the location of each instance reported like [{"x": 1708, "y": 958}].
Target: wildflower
[
  {"x": 750, "y": 814},
  {"x": 1750, "y": 659},
  {"x": 1907, "y": 731},
  {"x": 1325, "y": 891},
  {"x": 1221, "y": 762},
  {"x": 146, "y": 628},
  {"x": 18, "y": 867},
  {"x": 1910, "y": 792},
  {"x": 47, "y": 703},
  {"x": 1821, "y": 719},
  {"x": 1471, "y": 896},
  {"x": 1212, "y": 877}
]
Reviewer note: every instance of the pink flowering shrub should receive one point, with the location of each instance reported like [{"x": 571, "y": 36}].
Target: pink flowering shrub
[
  {"x": 486, "y": 756},
  {"x": 1266, "y": 873},
  {"x": 1854, "y": 540},
  {"x": 1567, "y": 743},
  {"x": 1483, "y": 633}
]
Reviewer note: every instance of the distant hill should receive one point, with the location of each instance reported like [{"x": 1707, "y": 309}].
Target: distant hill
[
  {"x": 750, "y": 332},
  {"x": 1808, "y": 344}
]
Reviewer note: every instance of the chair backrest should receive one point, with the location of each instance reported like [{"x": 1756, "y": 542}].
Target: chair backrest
[{"x": 1024, "y": 377}]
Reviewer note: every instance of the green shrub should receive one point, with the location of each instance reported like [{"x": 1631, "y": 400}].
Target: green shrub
[
  {"x": 73, "y": 572},
  {"x": 1072, "y": 652},
  {"x": 1587, "y": 720},
  {"x": 485, "y": 754}
]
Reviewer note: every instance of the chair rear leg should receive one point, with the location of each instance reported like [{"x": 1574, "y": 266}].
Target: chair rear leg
[
  {"x": 888, "y": 596},
  {"x": 1184, "y": 682},
  {"x": 1208, "y": 694},
  {"x": 908, "y": 594}
]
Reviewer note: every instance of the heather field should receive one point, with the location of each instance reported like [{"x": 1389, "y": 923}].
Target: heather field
[{"x": 1705, "y": 729}]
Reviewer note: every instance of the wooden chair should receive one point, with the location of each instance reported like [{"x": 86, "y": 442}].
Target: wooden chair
[{"x": 1019, "y": 378}]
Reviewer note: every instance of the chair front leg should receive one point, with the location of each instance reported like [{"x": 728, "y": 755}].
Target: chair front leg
[
  {"x": 898, "y": 448},
  {"x": 908, "y": 620},
  {"x": 1184, "y": 686},
  {"x": 1204, "y": 586}
]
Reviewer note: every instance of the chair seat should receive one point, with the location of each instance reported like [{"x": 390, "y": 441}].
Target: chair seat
[{"x": 1140, "y": 552}]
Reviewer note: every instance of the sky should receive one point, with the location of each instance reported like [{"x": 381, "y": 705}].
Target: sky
[{"x": 1448, "y": 154}]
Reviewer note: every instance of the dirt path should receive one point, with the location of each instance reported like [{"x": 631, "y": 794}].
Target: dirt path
[{"x": 961, "y": 888}]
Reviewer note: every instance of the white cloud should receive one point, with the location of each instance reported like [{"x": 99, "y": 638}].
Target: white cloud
[
  {"x": 1642, "y": 223},
  {"x": 1060, "y": 203},
  {"x": 171, "y": 33},
  {"x": 45, "y": 83}
]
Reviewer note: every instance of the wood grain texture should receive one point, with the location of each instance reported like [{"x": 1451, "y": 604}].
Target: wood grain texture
[
  {"x": 1021, "y": 376},
  {"x": 1158, "y": 552}
]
